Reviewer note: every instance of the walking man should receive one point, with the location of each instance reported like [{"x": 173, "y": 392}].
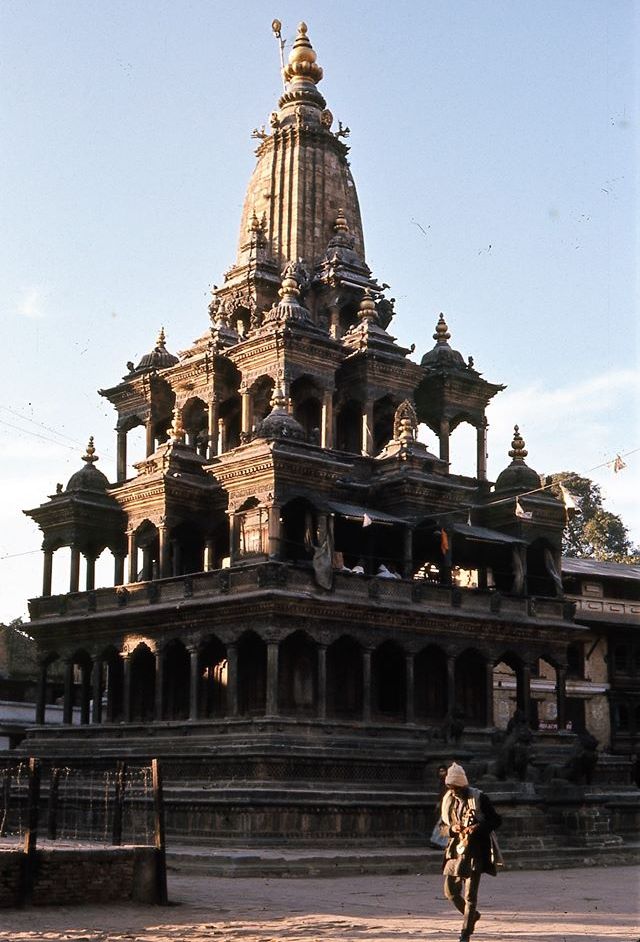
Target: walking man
[{"x": 471, "y": 819}]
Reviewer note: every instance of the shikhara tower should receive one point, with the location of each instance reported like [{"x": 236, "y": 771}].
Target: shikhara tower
[{"x": 282, "y": 452}]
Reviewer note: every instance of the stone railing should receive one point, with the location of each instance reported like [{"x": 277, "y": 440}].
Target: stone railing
[{"x": 296, "y": 580}]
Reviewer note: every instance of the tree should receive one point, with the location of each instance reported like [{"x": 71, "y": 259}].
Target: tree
[{"x": 593, "y": 532}]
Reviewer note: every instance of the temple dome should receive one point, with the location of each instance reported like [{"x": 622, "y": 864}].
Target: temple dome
[
  {"x": 442, "y": 356},
  {"x": 159, "y": 357},
  {"x": 302, "y": 175},
  {"x": 518, "y": 476},
  {"x": 88, "y": 478},
  {"x": 280, "y": 423}
]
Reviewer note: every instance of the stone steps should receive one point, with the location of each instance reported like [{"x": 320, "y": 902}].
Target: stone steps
[{"x": 333, "y": 862}]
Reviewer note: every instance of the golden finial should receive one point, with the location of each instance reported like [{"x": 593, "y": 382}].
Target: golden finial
[
  {"x": 90, "y": 454},
  {"x": 177, "y": 428},
  {"x": 289, "y": 290},
  {"x": 278, "y": 399},
  {"x": 302, "y": 65},
  {"x": 160, "y": 342},
  {"x": 518, "y": 452},
  {"x": 341, "y": 224},
  {"x": 367, "y": 310},
  {"x": 442, "y": 331}
]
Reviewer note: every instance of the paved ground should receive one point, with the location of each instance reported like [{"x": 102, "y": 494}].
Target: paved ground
[{"x": 599, "y": 905}]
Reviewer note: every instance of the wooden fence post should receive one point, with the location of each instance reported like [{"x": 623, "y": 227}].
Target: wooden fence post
[{"x": 159, "y": 833}]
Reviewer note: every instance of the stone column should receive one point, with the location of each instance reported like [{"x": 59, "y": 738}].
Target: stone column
[
  {"x": 524, "y": 700},
  {"x": 209, "y": 555},
  {"x": 272, "y": 678},
  {"x": 407, "y": 560},
  {"x": 41, "y": 700},
  {"x": 233, "y": 538},
  {"x": 118, "y": 569},
  {"x": 367, "y": 428},
  {"x": 126, "y": 687},
  {"x": 194, "y": 688},
  {"x": 159, "y": 691},
  {"x": 245, "y": 398},
  {"x": 366, "y": 685},
  {"x": 232, "y": 679},
  {"x": 334, "y": 322},
  {"x": 67, "y": 703},
  {"x": 481, "y": 432},
  {"x": 410, "y": 715},
  {"x": 326, "y": 429},
  {"x": 561, "y": 696},
  {"x": 221, "y": 438},
  {"x": 274, "y": 531},
  {"x": 121, "y": 455},
  {"x": 444, "y": 439},
  {"x": 96, "y": 683},
  {"x": 85, "y": 695},
  {"x": 451, "y": 684},
  {"x": 163, "y": 550},
  {"x": 213, "y": 418},
  {"x": 47, "y": 572},
  {"x": 91, "y": 572},
  {"x": 322, "y": 681},
  {"x": 133, "y": 556},
  {"x": 150, "y": 439},
  {"x": 489, "y": 693},
  {"x": 74, "y": 575}
]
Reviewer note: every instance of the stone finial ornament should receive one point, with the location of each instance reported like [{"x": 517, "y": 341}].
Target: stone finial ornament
[
  {"x": 367, "y": 310},
  {"x": 442, "y": 334},
  {"x": 405, "y": 422},
  {"x": 90, "y": 454},
  {"x": 518, "y": 452},
  {"x": 177, "y": 428},
  {"x": 302, "y": 65}
]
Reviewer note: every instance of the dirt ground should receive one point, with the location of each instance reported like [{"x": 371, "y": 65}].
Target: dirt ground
[{"x": 599, "y": 905}]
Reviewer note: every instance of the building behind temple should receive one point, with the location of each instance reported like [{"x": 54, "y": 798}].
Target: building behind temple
[{"x": 305, "y": 594}]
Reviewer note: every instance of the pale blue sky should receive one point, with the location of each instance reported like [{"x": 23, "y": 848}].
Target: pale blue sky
[{"x": 494, "y": 148}]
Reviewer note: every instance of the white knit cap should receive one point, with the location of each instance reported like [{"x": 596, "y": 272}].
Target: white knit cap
[{"x": 456, "y": 775}]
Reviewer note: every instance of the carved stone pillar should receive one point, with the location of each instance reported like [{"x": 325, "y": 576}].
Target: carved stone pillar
[
  {"x": 272, "y": 678},
  {"x": 322, "y": 681},
  {"x": 163, "y": 550},
  {"x": 85, "y": 695},
  {"x": 232, "y": 679},
  {"x": 326, "y": 428},
  {"x": 444, "y": 439},
  {"x": 561, "y": 696},
  {"x": 213, "y": 417},
  {"x": 209, "y": 555},
  {"x": 481, "y": 433},
  {"x": 245, "y": 398},
  {"x": 233, "y": 538},
  {"x": 91, "y": 572},
  {"x": 41, "y": 700},
  {"x": 150, "y": 439},
  {"x": 451, "y": 683},
  {"x": 222, "y": 444},
  {"x": 367, "y": 428},
  {"x": 96, "y": 683},
  {"x": 118, "y": 569},
  {"x": 194, "y": 683},
  {"x": 133, "y": 555},
  {"x": 47, "y": 572},
  {"x": 67, "y": 702},
  {"x": 524, "y": 698},
  {"x": 159, "y": 691},
  {"x": 409, "y": 712},
  {"x": 489, "y": 693},
  {"x": 126, "y": 687},
  {"x": 366, "y": 685},
  {"x": 334, "y": 323},
  {"x": 121, "y": 455},
  {"x": 274, "y": 531},
  {"x": 74, "y": 572}
]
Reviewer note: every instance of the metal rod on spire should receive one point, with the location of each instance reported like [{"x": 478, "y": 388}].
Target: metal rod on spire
[{"x": 276, "y": 26}]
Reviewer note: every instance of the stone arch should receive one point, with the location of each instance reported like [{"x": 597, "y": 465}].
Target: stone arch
[
  {"x": 299, "y": 529},
  {"x": 306, "y": 399},
  {"x": 252, "y": 674},
  {"x": 344, "y": 678},
  {"x": 186, "y": 543},
  {"x": 383, "y": 414},
  {"x": 142, "y": 684},
  {"x": 430, "y": 684},
  {"x": 389, "y": 681},
  {"x": 176, "y": 681},
  {"x": 508, "y": 689},
  {"x": 545, "y": 696},
  {"x": 261, "y": 395},
  {"x": 195, "y": 420},
  {"x": 212, "y": 674},
  {"x": 163, "y": 400},
  {"x": 80, "y": 666},
  {"x": 146, "y": 539},
  {"x": 298, "y": 675},
  {"x": 470, "y": 684},
  {"x": 540, "y": 578},
  {"x": 111, "y": 667}
]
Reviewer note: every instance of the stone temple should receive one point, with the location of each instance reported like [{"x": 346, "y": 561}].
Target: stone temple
[{"x": 309, "y": 608}]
